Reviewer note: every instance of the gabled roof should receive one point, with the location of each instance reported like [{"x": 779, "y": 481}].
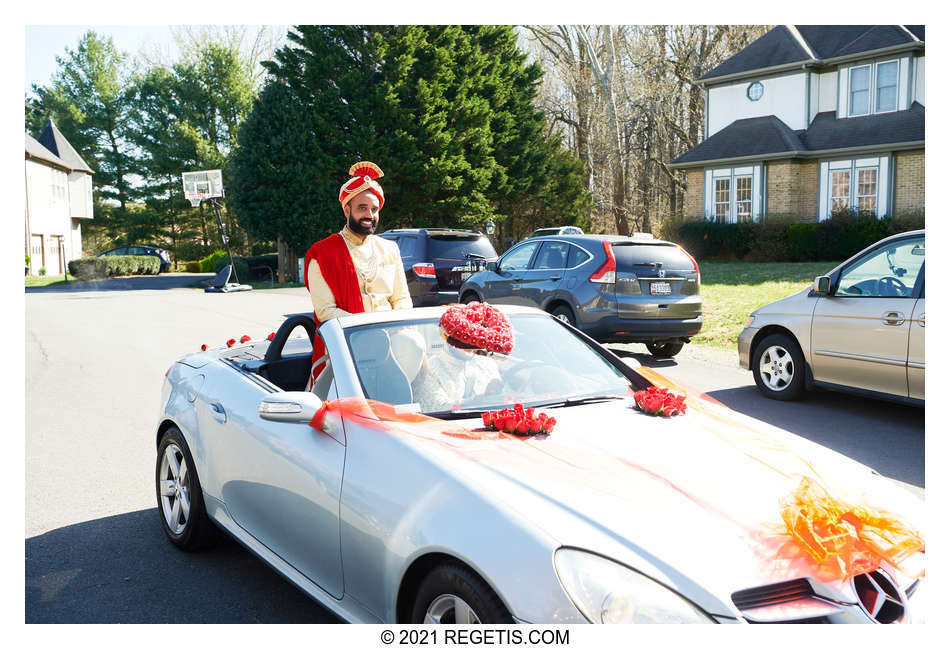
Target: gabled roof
[
  {"x": 769, "y": 137},
  {"x": 56, "y": 142},
  {"x": 37, "y": 151},
  {"x": 786, "y": 45}
]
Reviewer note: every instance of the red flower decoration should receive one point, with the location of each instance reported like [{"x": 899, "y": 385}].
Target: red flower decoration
[
  {"x": 204, "y": 347},
  {"x": 479, "y": 325},
  {"x": 660, "y": 401},
  {"x": 245, "y": 338},
  {"x": 270, "y": 336},
  {"x": 231, "y": 342},
  {"x": 518, "y": 421}
]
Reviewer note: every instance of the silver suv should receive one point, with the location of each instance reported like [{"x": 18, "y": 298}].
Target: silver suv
[{"x": 614, "y": 289}]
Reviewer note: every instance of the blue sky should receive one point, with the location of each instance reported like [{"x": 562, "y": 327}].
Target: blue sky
[{"x": 45, "y": 42}]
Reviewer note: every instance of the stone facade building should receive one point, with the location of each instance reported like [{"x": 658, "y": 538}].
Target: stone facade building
[{"x": 812, "y": 120}]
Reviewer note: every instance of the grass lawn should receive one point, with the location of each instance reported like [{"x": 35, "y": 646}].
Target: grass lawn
[
  {"x": 46, "y": 280},
  {"x": 732, "y": 290}
]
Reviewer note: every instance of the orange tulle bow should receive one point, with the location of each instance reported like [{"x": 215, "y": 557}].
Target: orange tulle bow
[{"x": 846, "y": 540}]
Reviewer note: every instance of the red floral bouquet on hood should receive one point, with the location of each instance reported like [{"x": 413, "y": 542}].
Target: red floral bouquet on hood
[
  {"x": 660, "y": 401},
  {"x": 518, "y": 421}
]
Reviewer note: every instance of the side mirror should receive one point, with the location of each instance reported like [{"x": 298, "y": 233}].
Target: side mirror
[
  {"x": 292, "y": 407},
  {"x": 822, "y": 285},
  {"x": 492, "y": 266}
]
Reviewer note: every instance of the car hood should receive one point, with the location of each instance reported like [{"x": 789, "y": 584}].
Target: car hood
[
  {"x": 694, "y": 501},
  {"x": 793, "y": 304}
]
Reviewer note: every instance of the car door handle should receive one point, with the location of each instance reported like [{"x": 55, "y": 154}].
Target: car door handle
[
  {"x": 217, "y": 411},
  {"x": 555, "y": 277},
  {"x": 893, "y": 318}
]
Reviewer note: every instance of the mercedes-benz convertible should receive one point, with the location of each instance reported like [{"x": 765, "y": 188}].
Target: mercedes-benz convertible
[{"x": 402, "y": 487}]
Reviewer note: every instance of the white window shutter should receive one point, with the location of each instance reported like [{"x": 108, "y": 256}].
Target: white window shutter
[
  {"x": 708, "y": 199},
  {"x": 823, "y": 191}
]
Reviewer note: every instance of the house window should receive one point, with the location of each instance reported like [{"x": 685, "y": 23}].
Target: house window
[
  {"x": 886, "y": 86},
  {"x": 744, "y": 199},
  {"x": 872, "y": 88},
  {"x": 860, "y": 86},
  {"x": 867, "y": 191},
  {"x": 722, "y": 199},
  {"x": 854, "y": 187},
  {"x": 733, "y": 194},
  {"x": 840, "y": 191}
]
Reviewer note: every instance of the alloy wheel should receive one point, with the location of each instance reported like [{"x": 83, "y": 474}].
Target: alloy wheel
[
  {"x": 175, "y": 488},
  {"x": 450, "y": 609}
]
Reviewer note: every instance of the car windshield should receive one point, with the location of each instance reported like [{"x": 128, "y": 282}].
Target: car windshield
[{"x": 412, "y": 364}]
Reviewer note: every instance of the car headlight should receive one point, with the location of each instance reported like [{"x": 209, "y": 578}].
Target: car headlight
[
  {"x": 748, "y": 323},
  {"x": 609, "y": 593}
]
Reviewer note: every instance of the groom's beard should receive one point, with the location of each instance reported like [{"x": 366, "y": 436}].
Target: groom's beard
[{"x": 362, "y": 228}]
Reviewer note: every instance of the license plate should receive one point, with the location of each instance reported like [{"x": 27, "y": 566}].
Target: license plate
[{"x": 660, "y": 288}]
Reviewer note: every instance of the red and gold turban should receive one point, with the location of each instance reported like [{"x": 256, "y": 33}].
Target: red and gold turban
[{"x": 365, "y": 175}]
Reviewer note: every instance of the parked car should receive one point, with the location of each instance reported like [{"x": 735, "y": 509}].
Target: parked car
[
  {"x": 438, "y": 260},
  {"x": 383, "y": 513},
  {"x": 858, "y": 329},
  {"x": 566, "y": 229},
  {"x": 151, "y": 251},
  {"x": 614, "y": 289}
]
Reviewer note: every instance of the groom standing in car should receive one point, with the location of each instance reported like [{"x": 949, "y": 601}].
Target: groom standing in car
[{"x": 354, "y": 270}]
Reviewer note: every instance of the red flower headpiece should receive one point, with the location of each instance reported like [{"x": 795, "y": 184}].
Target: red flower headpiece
[
  {"x": 365, "y": 174},
  {"x": 479, "y": 325}
]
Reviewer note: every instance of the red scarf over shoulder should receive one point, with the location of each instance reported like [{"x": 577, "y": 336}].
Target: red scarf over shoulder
[{"x": 338, "y": 271}]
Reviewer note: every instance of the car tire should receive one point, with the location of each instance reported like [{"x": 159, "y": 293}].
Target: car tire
[
  {"x": 779, "y": 368},
  {"x": 181, "y": 504},
  {"x": 664, "y": 350},
  {"x": 470, "y": 297},
  {"x": 452, "y": 590},
  {"x": 564, "y": 314}
]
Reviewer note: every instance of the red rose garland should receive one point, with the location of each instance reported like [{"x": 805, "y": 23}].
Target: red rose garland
[
  {"x": 479, "y": 325},
  {"x": 518, "y": 421},
  {"x": 660, "y": 401}
]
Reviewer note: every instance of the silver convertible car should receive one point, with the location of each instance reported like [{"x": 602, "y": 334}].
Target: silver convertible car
[{"x": 381, "y": 494}]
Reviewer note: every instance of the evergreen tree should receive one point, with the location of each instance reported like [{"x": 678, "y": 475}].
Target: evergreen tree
[{"x": 446, "y": 111}]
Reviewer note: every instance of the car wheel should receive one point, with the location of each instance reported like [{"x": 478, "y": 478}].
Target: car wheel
[
  {"x": 454, "y": 594},
  {"x": 180, "y": 502},
  {"x": 470, "y": 297},
  {"x": 564, "y": 314},
  {"x": 779, "y": 368},
  {"x": 664, "y": 350}
]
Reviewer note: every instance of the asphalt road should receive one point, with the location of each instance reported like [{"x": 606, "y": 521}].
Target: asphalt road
[{"x": 95, "y": 361}]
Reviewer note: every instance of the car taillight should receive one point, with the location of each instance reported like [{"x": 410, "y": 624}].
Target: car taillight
[
  {"x": 607, "y": 273},
  {"x": 424, "y": 270},
  {"x": 695, "y": 265}
]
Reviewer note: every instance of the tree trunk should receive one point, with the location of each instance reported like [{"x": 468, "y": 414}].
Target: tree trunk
[{"x": 281, "y": 260}]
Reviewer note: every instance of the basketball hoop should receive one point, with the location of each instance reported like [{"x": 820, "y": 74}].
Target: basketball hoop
[{"x": 202, "y": 185}]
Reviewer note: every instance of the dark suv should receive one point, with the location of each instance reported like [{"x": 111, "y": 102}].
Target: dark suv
[
  {"x": 614, "y": 289},
  {"x": 438, "y": 260},
  {"x": 165, "y": 261}
]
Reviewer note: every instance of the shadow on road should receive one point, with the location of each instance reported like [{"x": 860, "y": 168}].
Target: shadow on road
[
  {"x": 886, "y": 436},
  {"x": 121, "y": 569},
  {"x": 644, "y": 358},
  {"x": 135, "y": 283}
]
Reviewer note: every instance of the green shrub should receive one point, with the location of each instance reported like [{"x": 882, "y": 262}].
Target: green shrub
[
  {"x": 192, "y": 266},
  {"x": 98, "y": 267},
  {"x": 208, "y": 263},
  {"x": 43, "y": 270},
  {"x": 785, "y": 237}
]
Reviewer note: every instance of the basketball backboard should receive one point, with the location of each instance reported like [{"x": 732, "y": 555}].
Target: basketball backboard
[{"x": 199, "y": 185}]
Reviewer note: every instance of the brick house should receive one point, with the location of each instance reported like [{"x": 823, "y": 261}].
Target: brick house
[
  {"x": 58, "y": 198},
  {"x": 810, "y": 120}
]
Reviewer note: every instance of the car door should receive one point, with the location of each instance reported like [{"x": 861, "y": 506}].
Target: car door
[
  {"x": 504, "y": 285},
  {"x": 546, "y": 273},
  {"x": 280, "y": 481},
  {"x": 860, "y": 333},
  {"x": 915, "y": 349}
]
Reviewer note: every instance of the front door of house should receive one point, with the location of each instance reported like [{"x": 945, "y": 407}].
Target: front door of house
[
  {"x": 53, "y": 256},
  {"x": 37, "y": 258}
]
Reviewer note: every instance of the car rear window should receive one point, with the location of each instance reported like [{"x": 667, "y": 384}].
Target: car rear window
[
  {"x": 456, "y": 246},
  {"x": 669, "y": 256}
]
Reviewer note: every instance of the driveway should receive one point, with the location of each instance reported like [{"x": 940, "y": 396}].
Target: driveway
[{"x": 95, "y": 361}]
